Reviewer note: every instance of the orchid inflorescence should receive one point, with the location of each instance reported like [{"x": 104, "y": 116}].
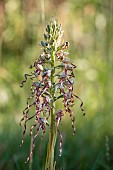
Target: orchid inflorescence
[{"x": 52, "y": 79}]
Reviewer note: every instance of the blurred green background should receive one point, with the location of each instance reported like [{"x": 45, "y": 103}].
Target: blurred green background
[{"x": 88, "y": 26}]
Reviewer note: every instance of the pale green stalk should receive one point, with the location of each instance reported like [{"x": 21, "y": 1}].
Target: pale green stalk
[{"x": 50, "y": 164}]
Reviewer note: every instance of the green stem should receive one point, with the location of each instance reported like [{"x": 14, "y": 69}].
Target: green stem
[{"x": 50, "y": 164}]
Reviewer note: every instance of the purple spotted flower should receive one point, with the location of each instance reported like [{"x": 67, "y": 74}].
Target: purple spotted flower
[{"x": 52, "y": 79}]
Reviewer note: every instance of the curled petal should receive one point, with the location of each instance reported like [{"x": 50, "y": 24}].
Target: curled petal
[
  {"x": 24, "y": 81},
  {"x": 80, "y": 104},
  {"x": 72, "y": 119},
  {"x": 58, "y": 119},
  {"x": 31, "y": 150},
  {"x": 61, "y": 141},
  {"x": 26, "y": 111}
]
